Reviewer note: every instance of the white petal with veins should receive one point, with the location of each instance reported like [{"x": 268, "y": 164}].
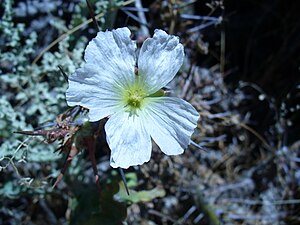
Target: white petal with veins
[
  {"x": 170, "y": 122},
  {"x": 99, "y": 94},
  {"x": 160, "y": 59},
  {"x": 98, "y": 86},
  {"x": 129, "y": 141},
  {"x": 113, "y": 54}
]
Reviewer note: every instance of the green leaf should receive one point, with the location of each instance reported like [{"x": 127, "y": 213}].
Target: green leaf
[{"x": 139, "y": 196}]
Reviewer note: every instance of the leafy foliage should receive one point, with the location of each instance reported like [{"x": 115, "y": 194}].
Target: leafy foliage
[
  {"x": 243, "y": 165},
  {"x": 137, "y": 196}
]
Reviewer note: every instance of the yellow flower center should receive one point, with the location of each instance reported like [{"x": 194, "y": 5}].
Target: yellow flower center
[
  {"x": 134, "y": 96},
  {"x": 135, "y": 99}
]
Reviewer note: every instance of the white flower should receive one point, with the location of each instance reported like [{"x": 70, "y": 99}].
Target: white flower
[{"x": 109, "y": 86}]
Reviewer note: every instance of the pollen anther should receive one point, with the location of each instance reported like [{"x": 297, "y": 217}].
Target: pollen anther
[{"x": 134, "y": 97}]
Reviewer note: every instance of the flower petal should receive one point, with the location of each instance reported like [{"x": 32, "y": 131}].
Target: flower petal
[
  {"x": 171, "y": 122},
  {"x": 128, "y": 140},
  {"x": 109, "y": 70},
  {"x": 113, "y": 53},
  {"x": 160, "y": 59},
  {"x": 97, "y": 93}
]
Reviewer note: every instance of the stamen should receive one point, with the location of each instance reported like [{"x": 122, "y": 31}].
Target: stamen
[{"x": 134, "y": 97}]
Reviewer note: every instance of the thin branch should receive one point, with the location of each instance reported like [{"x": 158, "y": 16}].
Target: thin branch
[
  {"x": 92, "y": 13},
  {"x": 142, "y": 17}
]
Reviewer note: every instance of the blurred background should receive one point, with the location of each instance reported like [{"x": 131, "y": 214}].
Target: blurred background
[{"x": 241, "y": 73}]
